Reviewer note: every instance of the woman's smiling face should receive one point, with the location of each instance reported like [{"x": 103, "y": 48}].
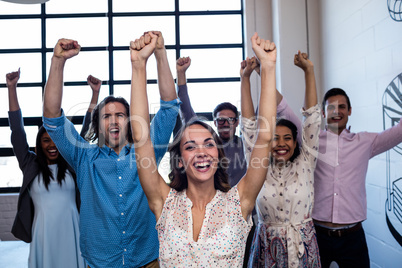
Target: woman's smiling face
[
  {"x": 199, "y": 153},
  {"x": 283, "y": 146}
]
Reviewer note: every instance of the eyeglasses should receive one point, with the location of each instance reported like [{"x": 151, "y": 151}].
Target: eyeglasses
[{"x": 221, "y": 120}]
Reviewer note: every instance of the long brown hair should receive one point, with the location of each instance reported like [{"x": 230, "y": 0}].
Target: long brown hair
[{"x": 178, "y": 177}]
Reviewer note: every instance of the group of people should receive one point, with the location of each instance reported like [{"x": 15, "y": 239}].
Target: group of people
[{"x": 96, "y": 198}]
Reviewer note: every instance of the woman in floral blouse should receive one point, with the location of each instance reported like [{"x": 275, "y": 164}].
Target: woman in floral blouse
[
  {"x": 285, "y": 234},
  {"x": 201, "y": 222}
]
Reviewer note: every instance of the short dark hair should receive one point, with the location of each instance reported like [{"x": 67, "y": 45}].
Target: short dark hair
[
  {"x": 43, "y": 166},
  {"x": 290, "y": 125},
  {"x": 225, "y": 106},
  {"x": 335, "y": 92},
  {"x": 178, "y": 177},
  {"x": 93, "y": 132}
]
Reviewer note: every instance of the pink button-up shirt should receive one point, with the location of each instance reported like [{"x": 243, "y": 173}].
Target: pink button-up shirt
[{"x": 340, "y": 174}]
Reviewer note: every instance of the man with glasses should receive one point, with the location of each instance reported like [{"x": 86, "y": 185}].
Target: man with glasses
[{"x": 226, "y": 120}]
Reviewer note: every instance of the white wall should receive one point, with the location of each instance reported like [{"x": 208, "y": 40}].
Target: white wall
[
  {"x": 355, "y": 45},
  {"x": 362, "y": 53}
]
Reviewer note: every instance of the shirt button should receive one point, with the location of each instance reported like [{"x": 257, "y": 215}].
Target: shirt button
[
  {"x": 280, "y": 194},
  {"x": 125, "y": 249},
  {"x": 335, "y": 194},
  {"x": 118, "y": 159},
  {"x": 122, "y": 213},
  {"x": 120, "y": 195},
  {"x": 119, "y": 177},
  {"x": 124, "y": 232}
]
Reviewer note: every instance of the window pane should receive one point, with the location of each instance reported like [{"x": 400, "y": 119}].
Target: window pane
[
  {"x": 87, "y": 31},
  {"x": 20, "y": 9},
  {"x": 186, "y": 5},
  {"x": 142, "y": 6},
  {"x": 11, "y": 173},
  {"x": 76, "y": 6},
  {"x": 152, "y": 91},
  {"x": 201, "y": 59},
  {"x": 85, "y": 63},
  {"x": 5, "y": 134},
  {"x": 18, "y": 32},
  {"x": 76, "y": 99},
  {"x": 225, "y": 29},
  {"x": 126, "y": 29},
  {"x": 30, "y": 100},
  {"x": 30, "y": 64},
  {"x": 205, "y": 97},
  {"x": 122, "y": 65}
]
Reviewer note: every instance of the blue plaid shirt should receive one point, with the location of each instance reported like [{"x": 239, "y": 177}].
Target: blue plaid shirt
[{"x": 117, "y": 227}]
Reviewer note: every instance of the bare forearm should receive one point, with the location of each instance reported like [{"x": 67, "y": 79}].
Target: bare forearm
[
  {"x": 181, "y": 78},
  {"x": 311, "y": 91},
  {"x": 247, "y": 107},
  {"x": 54, "y": 89},
  {"x": 139, "y": 104},
  {"x": 267, "y": 108},
  {"x": 165, "y": 78}
]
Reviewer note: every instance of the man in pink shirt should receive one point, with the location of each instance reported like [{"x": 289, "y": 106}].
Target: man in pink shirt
[{"x": 340, "y": 203}]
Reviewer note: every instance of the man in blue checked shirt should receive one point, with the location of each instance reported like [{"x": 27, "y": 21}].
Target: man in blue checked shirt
[{"x": 116, "y": 224}]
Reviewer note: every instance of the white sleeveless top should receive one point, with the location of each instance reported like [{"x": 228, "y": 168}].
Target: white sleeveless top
[{"x": 223, "y": 235}]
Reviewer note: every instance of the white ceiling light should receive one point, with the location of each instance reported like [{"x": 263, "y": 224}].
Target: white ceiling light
[{"x": 26, "y": 1}]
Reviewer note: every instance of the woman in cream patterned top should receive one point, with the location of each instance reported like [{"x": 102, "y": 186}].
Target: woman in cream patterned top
[
  {"x": 201, "y": 222},
  {"x": 285, "y": 234}
]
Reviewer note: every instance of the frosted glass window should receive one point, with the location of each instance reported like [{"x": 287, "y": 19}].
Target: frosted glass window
[
  {"x": 122, "y": 65},
  {"x": 87, "y": 31},
  {"x": 76, "y": 6},
  {"x": 23, "y": 33},
  {"x": 7, "y": 8},
  {"x": 205, "y": 97},
  {"x": 191, "y": 5},
  {"x": 30, "y": 64},
  {"x": 224, "y": 29},
  {"x": 222, "y": 62},
  {"x": 11, "y": 174},
  {"x": 76, "y": 99},
  {"x": 142, "y": 6},
  {"x": 128, "y": 29},
  {"x": 85, "y": 63}
]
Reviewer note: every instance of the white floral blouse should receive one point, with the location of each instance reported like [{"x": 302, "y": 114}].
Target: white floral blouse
[
  {"x": 285, "y": 202},
  {"x": 222, "y": 239}
]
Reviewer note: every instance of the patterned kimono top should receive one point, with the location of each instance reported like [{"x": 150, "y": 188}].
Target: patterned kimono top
[
  {"x": 285, "y": 234},
  {"x": 222, "y": 238}
]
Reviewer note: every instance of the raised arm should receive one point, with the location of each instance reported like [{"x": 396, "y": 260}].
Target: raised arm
[
  {"x": 64, "y": 49},
  {"x": 165, "y": 79},
  {"x": 301, "y": 60},
  {"x": 95, "y": 85},
  {"x": 155, "y": 188},
  {"x": 11, "y": 81},
  {"x": 246, "y": 69},
  {"x": 186, "y": 109},
  {"x": 251, "y": 183}
]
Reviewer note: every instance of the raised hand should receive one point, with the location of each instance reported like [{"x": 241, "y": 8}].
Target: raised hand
[
  {"x": 247, "y": 66},
  {"x": 160, "y": 42},
  {"x": 182, "y": 64},
  {"x": 142, "y": 48},
  {"x": 94, "y": 83},
  {"x": 301, "y": 60},
  {"x": 12, "y": 78},
  {"x": 265, "y": 50},
  {"x": 66, "y": 48}
]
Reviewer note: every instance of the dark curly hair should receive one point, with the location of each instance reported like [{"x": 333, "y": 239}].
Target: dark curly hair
[
  {"x": 178, "y": 177},
  {"x": 290, "y": 125},
  {"x": 93, "y": 132},
  {"x": 41, "y": 160}
]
